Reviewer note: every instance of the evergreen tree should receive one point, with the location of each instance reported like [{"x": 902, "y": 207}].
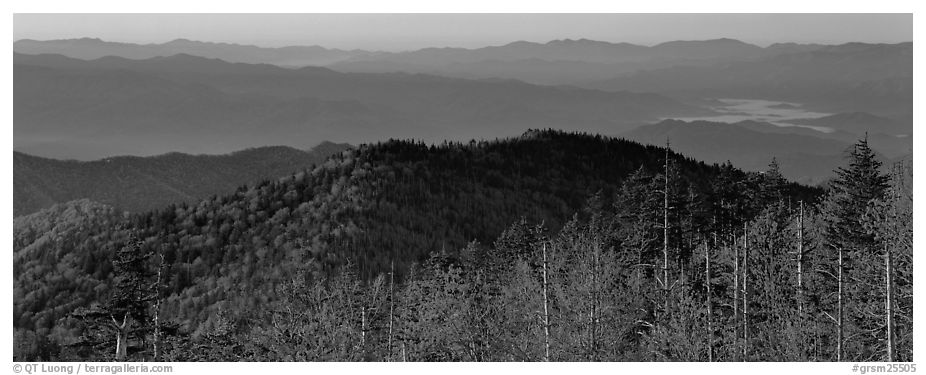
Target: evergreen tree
[
  {"x": 856, "y": 251},
  {"x": 133, "y": 291},
  {"x": 853, "y": 190},
  {"x": 773, "y": 183}
]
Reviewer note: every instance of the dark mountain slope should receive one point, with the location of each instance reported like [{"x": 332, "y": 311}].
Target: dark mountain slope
[
  {"x": 140, "y": 184},
  {"x": 395, "y": 201}
]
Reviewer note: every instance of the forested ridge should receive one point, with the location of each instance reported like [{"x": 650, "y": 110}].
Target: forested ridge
[
  {"x": 399, "y": 251},
  {"x": 140, "y": 184}
]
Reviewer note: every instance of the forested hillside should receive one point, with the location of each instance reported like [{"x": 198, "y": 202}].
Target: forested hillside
[
  {"x": 398, "y": 251},
  {"x": 139, "y": 184}
]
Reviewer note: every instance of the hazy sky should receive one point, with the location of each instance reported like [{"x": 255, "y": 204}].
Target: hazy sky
[{"x": 412, "y": 31}]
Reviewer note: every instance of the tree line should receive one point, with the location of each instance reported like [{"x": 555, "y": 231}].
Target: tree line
[{"x": 657, "y": 268}]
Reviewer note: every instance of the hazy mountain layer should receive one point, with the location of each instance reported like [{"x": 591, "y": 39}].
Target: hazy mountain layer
[
  {"x": 90, "y": 48},
  {"x": 854, "y": 77},
  {"x": 750, "y": 146},
  {"x": 859, "y": 123},
  {"x": 110, "y": 106},
  {"x": 556, "y": 62}
]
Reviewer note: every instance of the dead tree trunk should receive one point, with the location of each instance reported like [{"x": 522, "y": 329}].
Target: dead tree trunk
[
  {"x": 800, "y": 266},
  {"x": 707, "y": 283},
  {"x": 888, "y": 303},
  {"x": 894, "y": 241},
  {"x": 122, "y": 336},
  {"x": 596, "y": 304},
  {"x": 665, "y": 235},
  {"x": 800, "y": 280},
  {"x": 157, "y": 311},
  {"x": 546, "y": 311},
  {"x": 736, "y": 291},
  {"x": 391, "y": 309},
  {"x": 745, "y": 293},
  {"x": 363, "y": 327},
  {"x": 839, "y": 312}
]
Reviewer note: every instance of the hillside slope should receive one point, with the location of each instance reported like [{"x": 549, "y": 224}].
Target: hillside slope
[
  {"x": 393, "y": 202},
  {"x": 140, "y": 184}
]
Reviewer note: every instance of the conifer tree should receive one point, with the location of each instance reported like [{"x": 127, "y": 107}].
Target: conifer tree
[
  {"x": 855, "y": 189},
  {"x": 128, "y": 307}
]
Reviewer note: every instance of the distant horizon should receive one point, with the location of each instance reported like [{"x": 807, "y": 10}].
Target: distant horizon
[
  {"x": 409, "y": 32},
  {"x": 448, "y": 47}
]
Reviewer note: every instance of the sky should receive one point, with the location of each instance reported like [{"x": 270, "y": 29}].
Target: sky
[{"x": 396, "y": 32}]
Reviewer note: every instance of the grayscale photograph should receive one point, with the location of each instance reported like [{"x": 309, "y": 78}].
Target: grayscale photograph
[{"x": 463, "y": 187}]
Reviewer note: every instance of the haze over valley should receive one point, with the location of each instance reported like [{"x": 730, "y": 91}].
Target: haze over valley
[{"x": 200, "y": 97}]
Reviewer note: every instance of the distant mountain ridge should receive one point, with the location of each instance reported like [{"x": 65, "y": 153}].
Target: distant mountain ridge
[
  {"x": 852, "y": 77},
  {"x": 859, "y": 123},
  {"x": 146, "y": 183},
  {"x": 573, "y": 50},
  {"x": 561, "y": 61},
  {"x": 71, "y": 108},
  {"x": 558, "y": 49},
  {"x": 558, "y": 62},
  {"x": 93, "y": 48}
]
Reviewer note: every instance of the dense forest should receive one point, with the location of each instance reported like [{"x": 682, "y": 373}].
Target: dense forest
[
  {"x": 139, "y": 184},
  {"x": 550, "y": 246}
]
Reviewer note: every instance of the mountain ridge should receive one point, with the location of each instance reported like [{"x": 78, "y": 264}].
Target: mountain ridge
[
  {"x": 211, "y": 106},
  {"x": 875, "y": 78},
  {"x": 394, "y": 201},
  {"x": 90, "y": 48},
  {"x": 134, "y": 183}
]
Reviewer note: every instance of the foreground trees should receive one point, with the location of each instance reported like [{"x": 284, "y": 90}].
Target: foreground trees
[{"x": 665, "y": 267}]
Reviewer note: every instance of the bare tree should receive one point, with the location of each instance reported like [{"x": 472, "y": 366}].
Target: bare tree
[
  {"x": 546, "y": 311},
  {"x": 800, "y": 278},
  {"x": 391, "y": 309},
  {"x": 707, "y": 283},
  {"x": 888, "y": 303},
  {"x": 595, "y": 313},
  {"x": 800, "y": 265},
  {"x": 745, "y": 279},
  {"x": 736, "y": 290},
  {"x": 665, "y": 234},
  {"x": 157, "y": 310},
  {"x": 122, "y": 335},
  {"x": 839, "y": 312}
]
